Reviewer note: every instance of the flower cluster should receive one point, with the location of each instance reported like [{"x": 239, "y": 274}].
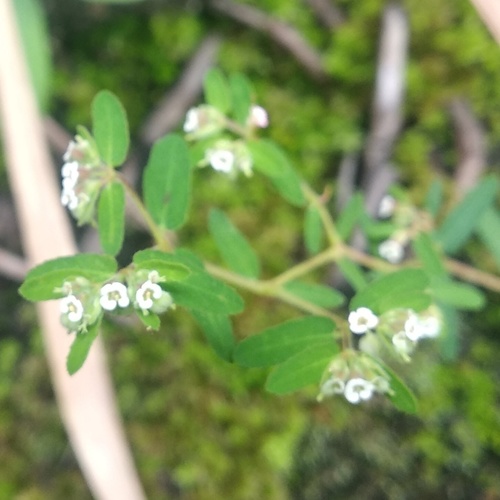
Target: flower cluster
[
  {"x": 82, "y": 178},
  {"x": 355, "y": 376},
  {"x": 401, "y": 329},
  {"x": 82, "y": 306}
]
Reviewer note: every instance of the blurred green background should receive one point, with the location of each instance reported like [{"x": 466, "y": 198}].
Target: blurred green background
[{"x": 201, "y": 428}]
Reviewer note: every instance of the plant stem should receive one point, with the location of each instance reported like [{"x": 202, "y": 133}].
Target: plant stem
[{"x": 156, "y": 232}]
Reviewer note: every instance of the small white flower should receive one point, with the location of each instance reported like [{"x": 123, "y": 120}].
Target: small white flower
[
  {"x": 69, "y": 198},
  {"x": 430, "y": 326},
  {"x": 361, "y": 320},
  {"x": 72, "y": 308},
  {"x": 386, "y": 207},
  {"x": 69, "y": 151},
  {"x": 331, "y": 386},
  {"x": 358, "y": 389},
  {"x": 392, "y": 251},
  {"x": 258, "y": 117},
  {"x": 221, "y": 160},
  {"x": 192, "y": 122},
  {"x": 403, "y": 345},
  {"x": 113, "y": 295},
  {"x": 147, "y": 294},
  {"x": 413, "y": 329},
  {"x": 70, "y": 170}
]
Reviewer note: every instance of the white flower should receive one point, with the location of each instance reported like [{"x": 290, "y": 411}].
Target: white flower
[
  {"x": 70, "y": 171},
  {"x": 192, "y": 122},
  {"x": 69, "y": 151},
  {"x": 69, "y": 198},
  {"x": 403, "y": 345},
  {"x": 258, "y": 117},
  {"x": 147, "y": 294},
  {"x": 413, "y": 328},
  {"x": 358, "y": 389},
  {"x": 430, "y": 326},
  {"x": 113, "y": 295},
  {"x": 386, "y": 207},
  {"x": 392, "y": 251},
  {"x": 72, "y": 308},
  {"x": 221, "y": 160},
  {"x": 361, "y": 320}
]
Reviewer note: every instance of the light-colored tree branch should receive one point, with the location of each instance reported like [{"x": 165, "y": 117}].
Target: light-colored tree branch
[
  {"x": 86, "y": 400},
  {"x": 489, "y": 11}
]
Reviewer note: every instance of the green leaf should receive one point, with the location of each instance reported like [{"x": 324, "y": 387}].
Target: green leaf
[
  {"x": 233, "y": 246},
  {"x": 167, "y": 181},
  {"x": 216, "y": 90},
  {"x": 271, "y": 161},
  {"x": 241, "y": 96},
  {"x": 429, "y": 256},
  {"x": 350, "y": 215},
  {"x": 168, "y": 266},
  {"x": 458, "y": 295},
  {"x": 36, "y": 41},
  {"x": 406, "y": 288},
  {"x": 303, "y": 369},
  {"x": 111, "y": 217},
  {"x": 110, "y": 128},
  {"x": 465, "y": 217},
  {"x": 80, "y": 348},
  {"x": 321, "y": 295},
  {"x": 403, "y": 399},
  {"x": 278, "y": 343},
  {"x": 150, "y": 320},
  {"x": 488, "y": 230},
  {"x": 352, "y": 273},
  {"x": 448, "y": 340},
  {"x": 219, "y": 332},
  {"x": 313, "y": 230},
  {"x": 201, "y": 292},
  {"x": 42, "y": 281},
  {"x": 434, "y": 197}
]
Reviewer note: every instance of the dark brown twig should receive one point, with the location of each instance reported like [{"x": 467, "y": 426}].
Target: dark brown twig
[
  {"x": 280, "y": 32},
  {"x": 327, "y": 13},
  {"x": 470, "y": 145},
  {"x": 174, "y": 105},
  {"x": 388, "y": 98}
]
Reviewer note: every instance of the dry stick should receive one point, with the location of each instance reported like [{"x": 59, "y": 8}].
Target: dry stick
[
  {"x": 387, "y": 105},
  {"x": 489, "y": 10},
  {"x": 471, "y": 145},
  {"x": 86, "y": 401},
  {"x": 173, "y": 106},
  {"x": 282, "y": 33},
  {"x": 329, "y": 14}
]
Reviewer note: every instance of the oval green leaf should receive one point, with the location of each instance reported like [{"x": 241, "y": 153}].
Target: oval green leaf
[
  {"x": 303, "y": 369},
  {"x": 314, "y": 234},
  {"x": 216, "y": 90},
  {"x": 80, "y": 348},
  {"x": 458, "y": 295},
  {"x": 233, "y": 246},
  {"x": 241, "y": 96},
  {"x": 201, "y": 292},
  {"x": 406, "y": 288},
  {"x": 111, "y": 217},
  {"x": 42, "y": 281},
  {"x": 465, "y": 217},
  {"x": 218, "y": 331},
  {"x": 320, "y": 295},
  {"x": 110, "y": 128},
  {"x": 278, "y": 343},
  {"x": 429, "y": 255},
  {"x": 167, "y": 182},
  {"x": 167, "y": 265},
  {"x": 488, "y": 230}
]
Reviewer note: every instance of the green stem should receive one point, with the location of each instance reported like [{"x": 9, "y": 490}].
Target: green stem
[{"x": 156, "y": 232}]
